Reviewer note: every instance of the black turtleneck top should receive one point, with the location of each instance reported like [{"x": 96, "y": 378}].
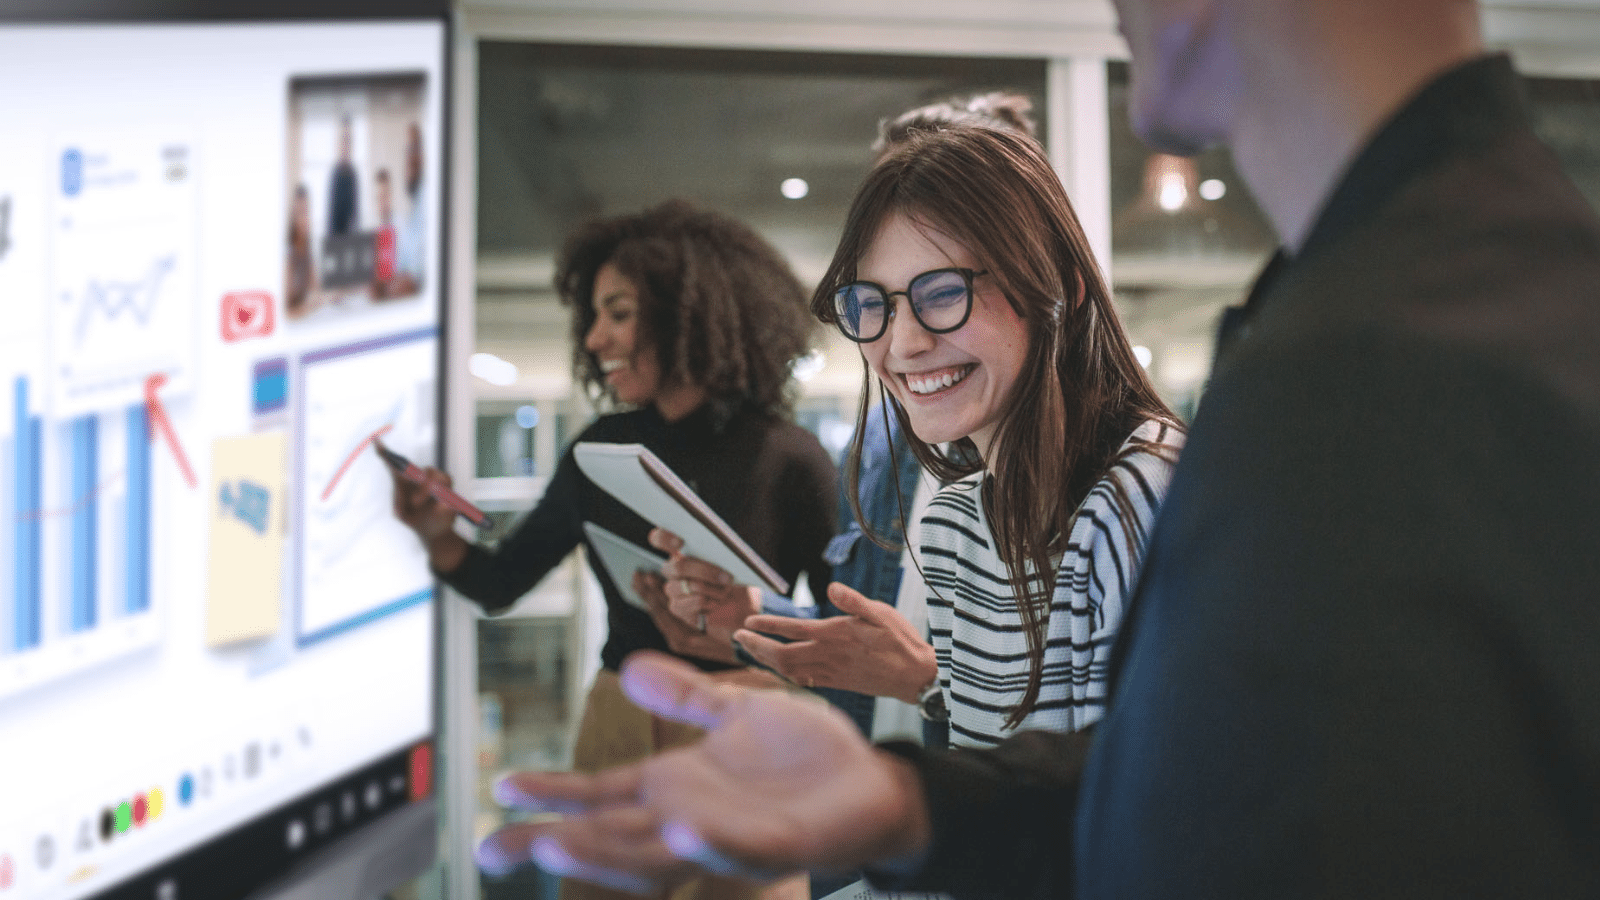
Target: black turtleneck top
[{"x": 769, "y": 478}]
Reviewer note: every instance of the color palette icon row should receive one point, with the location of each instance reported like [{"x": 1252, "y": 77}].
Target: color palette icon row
[{"x": 132, "y": 813}]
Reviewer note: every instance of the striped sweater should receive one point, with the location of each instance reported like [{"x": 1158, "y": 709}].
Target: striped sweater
[{"x": 976, "y": 631}]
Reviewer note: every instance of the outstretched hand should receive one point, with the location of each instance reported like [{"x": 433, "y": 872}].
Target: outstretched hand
[
  {"x": 781, "y": 782},
  {"x": 871, "y": 649}
]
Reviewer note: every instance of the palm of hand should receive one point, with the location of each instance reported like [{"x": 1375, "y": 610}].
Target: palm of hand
[
  {"x": 871, "y": 648},
  {"x": 779, "y": 770}
]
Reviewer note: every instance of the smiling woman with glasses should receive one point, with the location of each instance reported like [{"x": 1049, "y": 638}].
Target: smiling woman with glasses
[{"x": 1021, "y": 394}]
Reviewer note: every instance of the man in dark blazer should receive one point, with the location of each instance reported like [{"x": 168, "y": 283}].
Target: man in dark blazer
[
  {"x": 1365, "y": 655},
  {"x": 343, "y": 193}
]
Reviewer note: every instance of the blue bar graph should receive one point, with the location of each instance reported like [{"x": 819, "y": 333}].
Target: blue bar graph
[
  {"x": 84, "y": 439},
  {"x": 8, "y": 544},
  {"x": 138, "y": 511},
  {"x": 27, "y": 498}
]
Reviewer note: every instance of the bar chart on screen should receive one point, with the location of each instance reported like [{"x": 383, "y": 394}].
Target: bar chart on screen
[
  {"x": 78, "y": 539},
  {"x": 109, "y": 254}
]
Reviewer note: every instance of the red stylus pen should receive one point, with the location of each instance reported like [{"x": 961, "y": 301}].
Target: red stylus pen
[{"x": 409, "y": 471}]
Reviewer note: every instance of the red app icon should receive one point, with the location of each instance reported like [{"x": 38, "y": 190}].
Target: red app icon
[
  {"x": 246, "y": 314},
  {"x": 421, "y": 771},
  {"x": 383, "y": 243}
]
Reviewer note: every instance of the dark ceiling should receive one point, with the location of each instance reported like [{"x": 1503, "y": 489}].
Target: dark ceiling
[{"x": 567, "y": 132}]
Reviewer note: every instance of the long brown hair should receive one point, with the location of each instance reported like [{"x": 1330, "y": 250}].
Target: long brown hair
[{"x": 1081, "y": 391}]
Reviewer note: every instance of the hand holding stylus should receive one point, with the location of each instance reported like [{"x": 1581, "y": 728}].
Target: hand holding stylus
[
  {"x": 419, "y": 502},
  {"x": 434, "y": 482}
]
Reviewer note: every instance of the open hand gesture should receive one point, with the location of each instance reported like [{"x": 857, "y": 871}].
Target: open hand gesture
[
  {"x": 781, "y": 782},
  {"x": 871, "y": 649}
]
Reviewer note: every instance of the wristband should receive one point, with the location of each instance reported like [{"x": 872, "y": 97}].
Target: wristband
[{"x": 930, "y": 702}]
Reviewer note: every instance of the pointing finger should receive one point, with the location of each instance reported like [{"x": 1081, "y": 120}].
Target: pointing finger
[
  {"x": 767, "y": 651},
  {"x": 787, "y": 627}
]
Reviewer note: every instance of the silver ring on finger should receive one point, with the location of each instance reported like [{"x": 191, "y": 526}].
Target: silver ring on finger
[
  {"x": 700, "y": 623},
  {"x": 683, "y": 587}
]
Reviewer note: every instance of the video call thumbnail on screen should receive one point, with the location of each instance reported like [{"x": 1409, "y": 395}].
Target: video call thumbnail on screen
[{"x": 215, "y": 293}]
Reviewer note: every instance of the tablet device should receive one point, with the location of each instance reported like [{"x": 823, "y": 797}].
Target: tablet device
[
  {"x": 621, "y": 558},
  {"x": 643, "y": 483}
]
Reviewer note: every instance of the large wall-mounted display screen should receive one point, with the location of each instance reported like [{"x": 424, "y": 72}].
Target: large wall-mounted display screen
[{"x": 220, "y": 281}]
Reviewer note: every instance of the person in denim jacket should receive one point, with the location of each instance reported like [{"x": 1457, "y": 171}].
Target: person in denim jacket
[{"x": 889, "y": 476}]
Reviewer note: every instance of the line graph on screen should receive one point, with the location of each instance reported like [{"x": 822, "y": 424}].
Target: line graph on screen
[
  {"x": 111, "y": 303},
  {"x": 356, "y": 563},
  {"x": 122, "y": 270}
]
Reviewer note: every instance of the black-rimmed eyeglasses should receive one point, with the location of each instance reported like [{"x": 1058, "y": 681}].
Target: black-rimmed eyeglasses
[{"x": 941, "y": 300}]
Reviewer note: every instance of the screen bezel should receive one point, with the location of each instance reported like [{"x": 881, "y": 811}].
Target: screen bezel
[{"x": 400, "y": 842}]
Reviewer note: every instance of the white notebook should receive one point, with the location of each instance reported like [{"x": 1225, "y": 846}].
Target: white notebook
[{"x": 645, "y": 484}]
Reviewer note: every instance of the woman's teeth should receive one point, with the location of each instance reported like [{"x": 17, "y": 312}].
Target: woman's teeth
[
  {"x": 927, "y": 385},
  {"x": 607, "y": 366}
]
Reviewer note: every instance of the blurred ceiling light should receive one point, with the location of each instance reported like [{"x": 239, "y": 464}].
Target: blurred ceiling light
[
  {"x": 1169, "y": 182},
  {"x": 806, "y": 367},
  {"x": 1159, "y": 235},
  {"x": 794, "y": 188},
  {"x": 527, "y": 416},
  {"x": 1143, "y": 355},
  {"x": 1173, "y": 193},
  {"x": 493, "y": 369}
]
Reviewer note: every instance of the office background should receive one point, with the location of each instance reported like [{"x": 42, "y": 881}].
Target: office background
[{"x": 565, "y": 110}]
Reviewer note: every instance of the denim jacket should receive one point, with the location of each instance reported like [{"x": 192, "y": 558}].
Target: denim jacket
[{"x": 886, "y": 459}]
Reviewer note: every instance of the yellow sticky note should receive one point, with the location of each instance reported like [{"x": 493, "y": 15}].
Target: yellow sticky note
[{"x": 244, "y": 590}]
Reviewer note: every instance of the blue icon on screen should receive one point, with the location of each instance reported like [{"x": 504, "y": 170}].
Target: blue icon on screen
[
  {"x": 186, "y": 789},
  {"x": 71, "y": 171}
]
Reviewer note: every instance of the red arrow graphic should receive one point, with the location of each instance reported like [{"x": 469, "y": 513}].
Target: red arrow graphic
[{"x": 160, "y": 425}]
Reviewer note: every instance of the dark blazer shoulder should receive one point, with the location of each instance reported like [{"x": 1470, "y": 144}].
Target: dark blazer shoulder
[{"x": 1494, "y": 252}]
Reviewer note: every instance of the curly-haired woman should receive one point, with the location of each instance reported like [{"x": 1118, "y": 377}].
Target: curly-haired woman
[{"x": 690, "y": 320}]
